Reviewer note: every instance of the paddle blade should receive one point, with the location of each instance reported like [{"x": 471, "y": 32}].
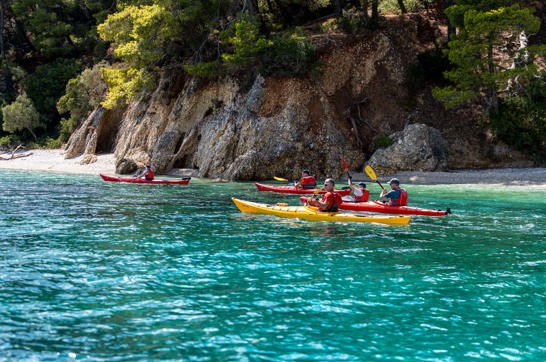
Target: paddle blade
[
  {"x": 344, "y": 165},
  {"x": 370, "y": 172},
  {"x": 279, "y": 178}
]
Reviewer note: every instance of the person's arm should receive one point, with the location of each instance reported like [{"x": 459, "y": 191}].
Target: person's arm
[
  {"x": 350, "y": 180},
  {"x": 384, "y": 195},
  {"x": 357, "y": 192}
]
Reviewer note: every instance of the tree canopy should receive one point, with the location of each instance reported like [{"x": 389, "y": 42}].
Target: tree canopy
[{"x": 53, "y": 51}]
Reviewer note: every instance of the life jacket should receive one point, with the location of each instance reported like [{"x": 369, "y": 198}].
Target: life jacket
[
  {"x": 308, "y": 182},
  {"x": 365, "y": 196},
  {"x": 149, "y": 175},
  {"x": 403, "y": 199},
  {"x": 335, "y": 204}
]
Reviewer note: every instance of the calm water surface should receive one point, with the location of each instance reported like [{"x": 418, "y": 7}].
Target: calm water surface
[{"x": 96, "y": 271}]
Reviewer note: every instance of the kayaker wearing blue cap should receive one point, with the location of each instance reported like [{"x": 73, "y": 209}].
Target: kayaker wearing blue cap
[{"x": 396, "y": 196}]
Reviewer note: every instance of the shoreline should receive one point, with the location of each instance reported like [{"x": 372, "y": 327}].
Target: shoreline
[{"x": 54, "y": 161}]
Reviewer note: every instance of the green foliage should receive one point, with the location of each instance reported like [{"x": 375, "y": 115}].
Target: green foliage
[
  {"x": 289, "y": 55},
  {"x": 138, "y": 33},
  {"x": 382, "y": 141},
  {"x": 521, "y": 121},
  {"x": 66, "y": 127},
  {"x": 83, "y": 93},
  {"x": 10, "y": 141},
  {"x": 125, "y": 84},
  {"x": 58, "y": 28},
  {"x": 351, "y": 21},
  {"x": 206, "y": 70},
  {"x": 52, "y": 143},
  {"x": 47, "y": 84},
  {"x": 21, "y": 115},
  {"x": 480, "y": 53},
  {"x": 392, "y": 7},
  {"x": 246, "y": 42}
]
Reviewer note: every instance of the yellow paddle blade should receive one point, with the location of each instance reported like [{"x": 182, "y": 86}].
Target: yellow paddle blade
[
  {"x": 279, "y": 178},
  {"x": 370, "y": 172}
]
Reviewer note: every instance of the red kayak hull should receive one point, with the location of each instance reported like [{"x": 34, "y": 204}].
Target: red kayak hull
[
  {"x": 133, "y": 180},
  {"x": 377, "y": 206},
  {"x": 284, "y": 189}
]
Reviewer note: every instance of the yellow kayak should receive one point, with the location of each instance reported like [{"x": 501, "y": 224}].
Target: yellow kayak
[{"x": 312, "y": 214}]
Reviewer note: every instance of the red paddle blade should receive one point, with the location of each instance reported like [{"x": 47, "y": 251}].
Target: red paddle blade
[{"x": 344, "y": 164}]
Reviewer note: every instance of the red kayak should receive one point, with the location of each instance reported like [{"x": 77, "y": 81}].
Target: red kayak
[
  {"x": 378, "y": 206},
  {"x": 295, "y": 190},
  {"x": 183, "y": 181}
]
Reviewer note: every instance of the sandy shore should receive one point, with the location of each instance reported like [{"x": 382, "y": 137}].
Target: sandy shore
[{"x": 54, "y": 161}]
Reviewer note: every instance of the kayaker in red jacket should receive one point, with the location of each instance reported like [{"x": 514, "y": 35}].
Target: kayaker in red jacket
[
  {"x": 307, "y": 181},
  {"x": 396, "y": 196},
  {"x": 146, "y": 174},
  {"x": 330, "y": 200},
  {"x": 360, "y": 194}
]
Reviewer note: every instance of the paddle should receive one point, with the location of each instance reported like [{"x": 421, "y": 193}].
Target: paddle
[
  {"x": 279, "y": 178},
  {"x": 346, "y": 168},
  {"x": 371, "y": 174}
]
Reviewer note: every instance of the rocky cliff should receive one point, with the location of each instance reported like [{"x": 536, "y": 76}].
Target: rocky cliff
[{"x": 278, "y": 126}]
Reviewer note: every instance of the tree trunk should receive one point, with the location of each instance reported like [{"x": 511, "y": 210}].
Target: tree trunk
[
  {"x": 402, "y": 6},
  {"x": 450, "y": 28},
  {"x": 375, "y": 10},
  {"x": 2, "y": 52},
  {"x": 365, "y": 6},
  {"x": 336, "y": 4},
  {"x": 491, "y": 91},
  {"x": 33, "y": 134}
]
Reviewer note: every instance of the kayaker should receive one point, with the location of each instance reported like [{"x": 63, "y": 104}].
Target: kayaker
[
  {"x": 396, "y": 196},
  {"x": 146, "y": 174},
  {"x": 360, "y": 194},
  {"x": 330, "y": 200},
  {"x": 307, "y": 181}
]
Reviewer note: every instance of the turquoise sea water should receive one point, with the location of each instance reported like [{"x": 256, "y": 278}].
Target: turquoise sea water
[{"x": 96, "y": 271}]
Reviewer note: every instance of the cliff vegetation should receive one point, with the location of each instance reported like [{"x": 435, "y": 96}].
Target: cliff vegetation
[{"x": 251, "y": 89}]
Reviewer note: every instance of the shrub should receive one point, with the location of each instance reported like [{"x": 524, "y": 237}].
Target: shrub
[
  {"x": 21, "y": 115},
  {"x": 291, "y": 54},
  {"x": 521, "y": 123},
  {"x": 382, "y": 141},
  {"x": 47, "y": 84},
  {"x": 83, "y": 93}
]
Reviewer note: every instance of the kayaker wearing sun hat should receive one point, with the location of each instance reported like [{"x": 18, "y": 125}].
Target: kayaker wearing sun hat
[{"x": 396, "y": 196}]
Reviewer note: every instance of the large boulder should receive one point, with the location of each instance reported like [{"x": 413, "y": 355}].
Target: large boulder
[{"x": 417, "y": 147}]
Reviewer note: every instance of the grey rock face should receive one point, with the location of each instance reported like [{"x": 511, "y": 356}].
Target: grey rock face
[{"x": 418, "y": 147}]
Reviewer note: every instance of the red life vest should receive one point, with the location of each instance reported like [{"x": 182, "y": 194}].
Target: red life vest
[
  {"x": 403, "y": 199},
  {"x": 308, "y": 182},
  {"x": 365, "y": 196},
  {"x": 334, "y": 200},
  {"x": 149, "y": 175}
]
